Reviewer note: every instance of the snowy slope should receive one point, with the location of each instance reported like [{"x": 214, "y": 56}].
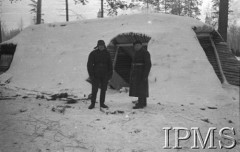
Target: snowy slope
[{"x": 52, "y": 57}]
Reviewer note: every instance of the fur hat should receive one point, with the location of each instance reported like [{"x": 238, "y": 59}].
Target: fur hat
[
  {"x": 100, "y": 42},
  {"x": 137, "y": 42}
]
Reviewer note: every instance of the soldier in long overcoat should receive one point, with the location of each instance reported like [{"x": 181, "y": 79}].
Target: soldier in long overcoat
[
  {"x": 140, "y": 69},
  {"x": 100, "y": 70}
]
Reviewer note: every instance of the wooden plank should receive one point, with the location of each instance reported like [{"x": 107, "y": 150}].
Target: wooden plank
[
  {"x": 203, "y": 35},
  {"x": 115, "y": 58},
  {"x": 231, "y": 73},
  {"x": 218, "y": 62}
]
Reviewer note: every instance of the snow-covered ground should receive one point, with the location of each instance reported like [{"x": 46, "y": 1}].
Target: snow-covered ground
[
  {"x": 51, "y": 58},
  {"x": 238, "y": 58}
]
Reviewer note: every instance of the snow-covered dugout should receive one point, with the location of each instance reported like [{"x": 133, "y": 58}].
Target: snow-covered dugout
[{"x": 53, "y": 57}]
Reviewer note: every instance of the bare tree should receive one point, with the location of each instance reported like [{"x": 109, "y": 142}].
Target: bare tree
[
  {"x": 83, "y": 2},
  {"x": 113, "y": 6}
]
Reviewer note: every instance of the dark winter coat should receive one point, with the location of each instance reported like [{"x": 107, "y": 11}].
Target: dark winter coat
[
  {"x": 139, "y": 74},
  {"x": 99, "y": 64}
]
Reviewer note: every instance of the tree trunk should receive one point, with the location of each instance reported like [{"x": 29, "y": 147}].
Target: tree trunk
[
  {"x": 158, "y": 5},
  {"x": 223, "y": 18},
  {"x": 67, "y": 16},
  {"x": 147, "y": 5},
  {"x": 190, "y": 8},
  {"x": 165, "y": 6},
  {"x": 179, "y": 7},
  {"x": 102, "y": 8},
  {"x": 39, "y": 11},
  {"x": 0, "y": 32}
]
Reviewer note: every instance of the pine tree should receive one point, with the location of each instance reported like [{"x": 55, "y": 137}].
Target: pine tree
[
  {"x": 223, "y": 18},
  {"x": 0, "y": 24},
  {"x": 208, "y": 19},
  {"x": 178, "y": 7},
  {"x": 13, "y": 1},
  {"x": 83, "y": 2},
  {"x": 166, "y": 4},
  {"x": 186, "y": 8},
  {"x": 37, "y": 9},
  {"x": 192, "y": 8},
  {"x": 215, "y": 11},
  {"x": 33, "y": 4},
  {"x": 0, "y": 31},
  {"x": 114, "y": 5},
  {"x": 102, "y": 10}
]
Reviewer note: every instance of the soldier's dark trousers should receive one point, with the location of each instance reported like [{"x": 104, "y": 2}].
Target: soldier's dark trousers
[{"x": 102, "y": 82}]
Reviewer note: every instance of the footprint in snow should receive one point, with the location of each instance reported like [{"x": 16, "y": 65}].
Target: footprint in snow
[
  {"x": 212, "y": 107},
  {"x": 206, "y": 120}
]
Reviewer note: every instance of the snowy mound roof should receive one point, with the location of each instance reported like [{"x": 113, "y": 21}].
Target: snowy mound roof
[{"x": 52, "y": 57}]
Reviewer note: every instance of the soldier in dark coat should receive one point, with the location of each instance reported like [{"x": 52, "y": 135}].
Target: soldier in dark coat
[
  {"x": 140, "y": 69},
  {"x": 100, "y": 70}
]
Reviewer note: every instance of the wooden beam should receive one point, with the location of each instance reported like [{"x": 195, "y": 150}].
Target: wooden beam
[
  {"x": 218, "y": 62},
  {"x": 203, "y": 35},
  {"x": 115, "y": 58}
]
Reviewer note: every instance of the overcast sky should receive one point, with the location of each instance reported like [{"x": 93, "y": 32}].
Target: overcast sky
[{"x": 53, "y": 10}]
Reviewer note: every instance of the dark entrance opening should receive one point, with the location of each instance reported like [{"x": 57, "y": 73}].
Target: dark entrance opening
[
  {"x": 122, "y": 52},
  {"x": 6, "y": 56}
]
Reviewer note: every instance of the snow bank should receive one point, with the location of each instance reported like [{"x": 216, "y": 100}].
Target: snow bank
[{"x": 52, "y": 57}]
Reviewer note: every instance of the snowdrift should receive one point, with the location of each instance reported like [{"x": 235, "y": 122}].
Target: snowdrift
[{"x": 53, "y": 57}]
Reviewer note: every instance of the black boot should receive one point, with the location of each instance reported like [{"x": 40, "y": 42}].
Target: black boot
[
  {"x": 135, "y": 101},
  {"x": 103, "y": 105},
  {"x": 145, "y": 102},
  {"x": 92, "y": 105},
  {"x": 138, "y": 106}
]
